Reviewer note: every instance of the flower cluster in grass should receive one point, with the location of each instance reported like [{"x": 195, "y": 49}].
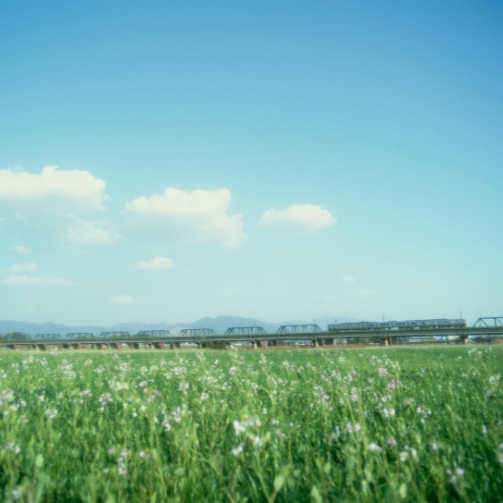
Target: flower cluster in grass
[{"x": 405, "y": 424}]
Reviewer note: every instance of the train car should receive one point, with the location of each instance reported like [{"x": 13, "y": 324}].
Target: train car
[
  {"x": 153, "y": 333},
  {"x": 398, "y": 325},
  {"x": 299, "y": 329},
  {"x": 191, "y": 332}
]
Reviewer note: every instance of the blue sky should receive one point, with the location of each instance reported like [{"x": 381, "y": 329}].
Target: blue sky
[{"x": 270, "y": 160}]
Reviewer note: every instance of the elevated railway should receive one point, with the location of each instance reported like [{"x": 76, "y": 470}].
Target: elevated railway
[{"x": 258, "y": 339}]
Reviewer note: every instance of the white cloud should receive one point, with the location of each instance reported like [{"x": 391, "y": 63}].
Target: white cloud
[
  {"x": 122, "y": 299},
  {"x": 21, "y": 250},
  {"x": 203, "y": 212},
  {"x": 75, "y": 185},
  {"x": 90, "y": 232},
  {"x": 305, "y": 217},
  {"x": 23, "y": 268},
  {"x": 155, "y": 264}
]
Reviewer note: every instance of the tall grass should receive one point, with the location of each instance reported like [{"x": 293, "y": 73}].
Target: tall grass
[{"x": 418, "y": 424}]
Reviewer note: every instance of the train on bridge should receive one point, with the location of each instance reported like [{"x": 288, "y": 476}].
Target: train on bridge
[
  {"x": 409, "y": 329},
  {"x": 367, "y": 332},
  {"x": 398, "y": 325}
]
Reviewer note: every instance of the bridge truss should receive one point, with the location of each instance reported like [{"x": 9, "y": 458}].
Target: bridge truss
[{"x": 489, "y": 321}]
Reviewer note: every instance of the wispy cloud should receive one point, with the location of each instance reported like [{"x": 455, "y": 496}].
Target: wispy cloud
[
  {"x": 22, "y": 275},
  {"x": 202, "y": 212},
  {"x": 122, "y": 299},
  {"x": 367, "y": 292},
  {"x": 21, "y": 250},
  {"x": 23, "y": 268},
  {"x": 155, "y": 264},
  {"x": 90, "y": 232},
  {"x": 304, "y": 217},
  {"x": 28, "y": 280}
]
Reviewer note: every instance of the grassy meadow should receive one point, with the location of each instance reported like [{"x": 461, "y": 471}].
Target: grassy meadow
[{"x": 374, "y": 424}]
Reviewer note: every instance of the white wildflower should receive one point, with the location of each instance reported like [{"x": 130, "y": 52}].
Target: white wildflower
[
  {"x": 237, "y": 450},
  {"x": 238, "y": 427},
  {"x": 388, "y": 412},
  {"x": 373, "y": 447}
]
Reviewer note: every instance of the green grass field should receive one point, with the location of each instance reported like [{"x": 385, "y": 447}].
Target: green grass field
[{"x": 404, "y": 424}]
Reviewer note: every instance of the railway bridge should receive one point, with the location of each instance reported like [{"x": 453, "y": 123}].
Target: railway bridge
[{"x": 256, "y": 338}]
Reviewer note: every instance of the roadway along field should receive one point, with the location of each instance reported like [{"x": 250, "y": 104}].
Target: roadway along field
[{"x": 399, "y": 424}]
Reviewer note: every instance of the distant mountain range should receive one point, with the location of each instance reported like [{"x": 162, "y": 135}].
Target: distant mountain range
[{"x": 219, "y": 324}]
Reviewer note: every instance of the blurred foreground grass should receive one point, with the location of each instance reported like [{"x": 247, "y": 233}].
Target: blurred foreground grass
[{"x": 404, "y": 424}]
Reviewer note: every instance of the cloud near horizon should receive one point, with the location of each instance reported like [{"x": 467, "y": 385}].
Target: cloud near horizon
[
  {"x": 304, "y": 217},
  {"x": 123, "y": 299},
  {"x": 76, "y": 185},
  {"x": 20, "y": 275},
  {"x": 202, "y": 212},
  {"x": 155, "y": 264}
]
